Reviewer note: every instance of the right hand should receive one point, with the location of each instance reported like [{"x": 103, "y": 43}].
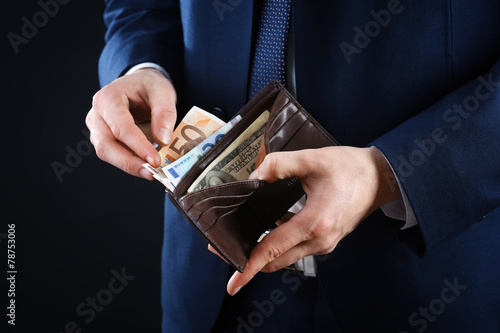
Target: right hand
[{"x": 128, "y": 111}]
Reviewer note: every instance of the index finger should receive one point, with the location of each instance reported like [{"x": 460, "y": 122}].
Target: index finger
[
  {"x": 116, "y": 114},
  {"x": 161, "y": 98},
  {"x": 275, "y": 244}
]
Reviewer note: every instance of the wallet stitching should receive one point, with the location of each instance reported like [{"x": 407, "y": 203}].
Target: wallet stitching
[
  {"x": 213, "y": 188},
  {"x": 217, "y": 220},
  {"x": 243, "y": 196},
  {"x": 230, "y": 207}
]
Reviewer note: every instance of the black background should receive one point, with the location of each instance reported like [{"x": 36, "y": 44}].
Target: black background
[{"x": 70, "y": 234}]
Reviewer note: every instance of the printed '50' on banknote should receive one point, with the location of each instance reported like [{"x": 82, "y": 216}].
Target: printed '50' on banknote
[{"x": 195, "y": 127}]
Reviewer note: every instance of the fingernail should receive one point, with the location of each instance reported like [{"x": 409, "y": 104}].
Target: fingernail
[
  {"x": 230, "y": 282},
  {"x": 236, "y": 290},
  {"x": 150, "y": 160},
  {"x": 145, "y": 174},
  {"x": 164, "y": 135}
]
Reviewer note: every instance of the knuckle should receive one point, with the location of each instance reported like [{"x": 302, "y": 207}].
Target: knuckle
[
  {"x": 100, "y": 149},
  {"x": 318, "y": 230},
  {"x": 323, "y": 226},
  {"x": 309, "y": 233},
  {"x": 272, "y": 253},
  {"x": 170, "y": 113},
  {"x": 118, "y": 131},
  {"x": 270, "y": 165},
  {"x": 88, "y": 119},
  {"x": 166, "y": 117},
  {"x": 99, "y": 96},
  {"x": 108, "y": 97},
  {"x": 127, "y": 167},
  {"x": 273, "y": 163}
]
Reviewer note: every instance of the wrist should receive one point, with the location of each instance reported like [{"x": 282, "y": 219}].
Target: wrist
[
  {"x": 148, "y": 70},
  {"x": 148, "y": 65},
  {"x": 388, "y": 190}
]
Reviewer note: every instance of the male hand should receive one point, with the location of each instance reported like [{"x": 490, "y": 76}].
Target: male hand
[
  {"x": 343, "y": 186},
  {"x": 128, "y": 111}
]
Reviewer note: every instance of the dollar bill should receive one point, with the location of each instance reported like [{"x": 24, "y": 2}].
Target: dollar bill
[
  {"x": 237, "y": 161},
  {"x": 195, "y": 127},
  {"x": 177, "y": 169}
]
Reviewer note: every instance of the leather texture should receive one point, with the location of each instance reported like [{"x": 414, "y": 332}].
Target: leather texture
[{"x": 232, "y": 216}]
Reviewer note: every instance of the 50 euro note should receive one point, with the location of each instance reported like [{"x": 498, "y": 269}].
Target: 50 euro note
[
  {"x": 196, "y": 126},
  {"x": 175, "y": 171},
  {"x": 237, "y": 161}
]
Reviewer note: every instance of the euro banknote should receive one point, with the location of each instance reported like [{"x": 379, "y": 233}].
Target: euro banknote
[
  {"x": 195, "y": 127},
  {"x": 177, "y": 169}
]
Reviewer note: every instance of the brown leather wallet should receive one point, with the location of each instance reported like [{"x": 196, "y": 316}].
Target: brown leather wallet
[{"x": 232, "y": 216}]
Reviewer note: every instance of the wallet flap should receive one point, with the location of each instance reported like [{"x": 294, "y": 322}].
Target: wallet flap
[{"x": 215, "y": 213}]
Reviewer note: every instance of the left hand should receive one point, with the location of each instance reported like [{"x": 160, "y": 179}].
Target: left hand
[{"x": 343, "y": 185}]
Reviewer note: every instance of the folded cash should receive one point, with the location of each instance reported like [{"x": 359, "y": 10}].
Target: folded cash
[
  {"x": 237, "y": 161},
  {"x": 159, "y": 176},
  {"x": 177, "y": 169},
  {"x": 195, "y": 127}
]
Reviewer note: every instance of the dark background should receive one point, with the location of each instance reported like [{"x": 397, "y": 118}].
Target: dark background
[{"x": 70, "y": 234}]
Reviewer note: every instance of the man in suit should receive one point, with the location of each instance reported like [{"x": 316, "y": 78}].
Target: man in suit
[{"x": 411, "y": 89}]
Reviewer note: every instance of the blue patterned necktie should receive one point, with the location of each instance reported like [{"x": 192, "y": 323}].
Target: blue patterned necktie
[{"x": 269, "y": 61}]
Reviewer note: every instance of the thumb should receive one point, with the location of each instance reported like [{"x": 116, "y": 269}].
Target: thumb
[
  {"x": 281, "y": 165},
  {"x": 161, "y": 98}
]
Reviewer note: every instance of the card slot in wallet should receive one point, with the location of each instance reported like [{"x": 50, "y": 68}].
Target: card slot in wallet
[
  {"x": 278, "y": 120},
  {"x": 220, "y": 201},
  {"x": 232, "y": 216},
  {"x": 281, "y": 136},
  {"x": 229, "y": 191},
  {"x": 212, "y": 209},
  {"x": 211, "y": 216}
]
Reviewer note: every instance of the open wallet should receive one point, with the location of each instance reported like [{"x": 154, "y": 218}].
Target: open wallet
[{"x": 233, "y": 214}]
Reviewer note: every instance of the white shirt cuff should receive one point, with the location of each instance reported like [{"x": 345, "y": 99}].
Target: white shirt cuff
[
  {"x": 400, "y": 209},
  {"x": 148, "y": 65}
]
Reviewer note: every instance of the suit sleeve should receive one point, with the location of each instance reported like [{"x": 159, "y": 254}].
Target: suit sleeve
[
  {"x": 141, "y": 31},
  {"x": 447, "y": 159}
]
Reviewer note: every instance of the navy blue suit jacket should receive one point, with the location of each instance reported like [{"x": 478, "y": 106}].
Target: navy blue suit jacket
[{"x": 417, "y": 79}]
